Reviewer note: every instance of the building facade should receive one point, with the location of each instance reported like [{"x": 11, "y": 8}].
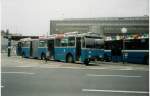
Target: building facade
[{"x": 106, "y": 26}]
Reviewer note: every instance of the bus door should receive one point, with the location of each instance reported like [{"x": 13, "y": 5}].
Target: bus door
[
  {"x": 31, "y": 48},
  {"x": 19, "y": 49},
  {"x": 51, "y": 48},
  {"x": 78, "y": 48},
  {"x": 34, "y": 48}
]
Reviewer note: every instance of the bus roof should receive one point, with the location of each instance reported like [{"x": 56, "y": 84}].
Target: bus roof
[{"x": 27, "y": 39}]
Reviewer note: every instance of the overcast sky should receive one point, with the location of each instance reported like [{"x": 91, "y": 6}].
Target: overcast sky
[{"x": 32, "y": 17}]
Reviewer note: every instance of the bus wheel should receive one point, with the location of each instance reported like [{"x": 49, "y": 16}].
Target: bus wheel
[
  {"x": 43, "y": 56},
  {"x": 69, "y": 59},
  {"x": 86, "y": 62}
]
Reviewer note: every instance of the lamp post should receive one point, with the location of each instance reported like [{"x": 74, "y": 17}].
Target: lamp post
[{"x": 123, "y": 30}]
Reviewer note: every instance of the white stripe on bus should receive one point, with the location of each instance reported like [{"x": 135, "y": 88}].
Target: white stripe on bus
[
  {"x": 130, "y": 50},
  {"x": 115, "y": 91}
]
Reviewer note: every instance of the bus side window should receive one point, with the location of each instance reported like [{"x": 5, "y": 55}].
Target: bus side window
[
  {"x": 22, "y": 44},
  {"x": 71, "y": 41},
  {"x": 26, "y": 44},
  {"x": 42, "y": 43},
  {"x": 64, "y": 42},
  {"x": 57, "y": 42}
]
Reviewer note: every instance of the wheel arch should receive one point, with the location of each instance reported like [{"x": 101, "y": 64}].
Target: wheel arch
[
  {"x": 69, "y": 54},
  {"x": 42, "y": 54}
]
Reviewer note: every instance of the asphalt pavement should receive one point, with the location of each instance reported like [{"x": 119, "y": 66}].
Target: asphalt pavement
[{"x": 32, "y": 77}]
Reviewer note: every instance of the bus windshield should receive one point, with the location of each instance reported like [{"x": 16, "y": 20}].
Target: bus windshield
[
  {"x": 96, "y": 43},
  {"x": 42, "y": 43}
]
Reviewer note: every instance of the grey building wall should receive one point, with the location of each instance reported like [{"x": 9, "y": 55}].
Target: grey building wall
[{"x": 104, "y": 26}]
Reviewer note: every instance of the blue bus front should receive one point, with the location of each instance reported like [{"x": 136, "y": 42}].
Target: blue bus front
[{"x": 92, "y": 49}]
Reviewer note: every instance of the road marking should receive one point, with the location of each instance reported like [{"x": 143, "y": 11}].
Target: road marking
[
  {"x": 18, "y": 73},
  {"x": 71, "y": 67},
  {"x": 25, "y": 66},
  {"x": 97, "y": 68},
  {"x": 127, "y": 76},
  {"x": 115, "y": 91},
  {"x": 126, "y": 69},
  {"x": 83, "y": 67},
  {"x": 66, "y": 67}
]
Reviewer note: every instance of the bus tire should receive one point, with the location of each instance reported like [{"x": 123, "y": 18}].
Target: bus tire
[
  {"x": 69, "y": 58},
  {"x": 86, "y": 62},
  {"x": 43, "y": 56}
]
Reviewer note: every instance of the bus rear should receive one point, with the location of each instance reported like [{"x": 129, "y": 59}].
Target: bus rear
[{"x": 25, "y": 48}]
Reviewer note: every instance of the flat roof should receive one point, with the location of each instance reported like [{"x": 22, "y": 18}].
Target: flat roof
[{"x": 106, "y": 18}]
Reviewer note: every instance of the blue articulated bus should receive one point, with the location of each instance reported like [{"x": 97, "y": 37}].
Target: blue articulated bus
[
  {"x": 74, "y": 47},
  {"x": 136, "y": 50},
  {"x": 68, "y": 47}
]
